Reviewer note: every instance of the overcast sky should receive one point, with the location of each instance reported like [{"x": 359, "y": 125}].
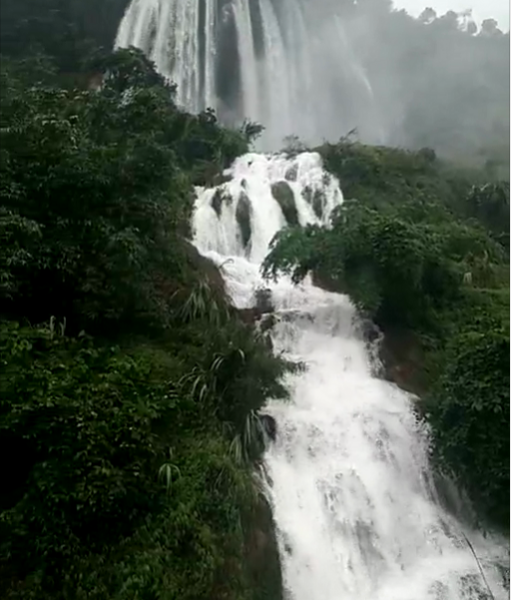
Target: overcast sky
[{"x": 481, "y": 9}]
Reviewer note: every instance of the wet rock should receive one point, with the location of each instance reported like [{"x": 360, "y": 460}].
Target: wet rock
[
  {"x": 370, "y": 331},
  {"x": 217, "y": 201},
  {"x": 262, "y": 313},
  {"x": 325, "y": 282},
  {"x": 292, "y": 173},
  {"x": 283, "y": 194},
  {"x": 243, "y": 216},
  {"x": 262, "y": 554},
  {"x": 267, "y": 322},
  {"x": 270, "y": 426},
  {"x": 316, "y": 199},
  {"x": 220, "y": 179},
  {"x": 205, "y": 267},
  {"x": 403, "y": 359},
  {"x": 263, "y": 300},
  {"x": 269, "y": 342},
  {"x": 220, "y": 197},
  {"x": 249, "y": 315}
]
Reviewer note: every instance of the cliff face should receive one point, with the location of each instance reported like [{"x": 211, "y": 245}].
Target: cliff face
[{"x": 262, "y": 554}]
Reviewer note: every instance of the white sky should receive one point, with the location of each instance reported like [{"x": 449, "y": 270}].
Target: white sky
[{"x": 481, "y": 9}]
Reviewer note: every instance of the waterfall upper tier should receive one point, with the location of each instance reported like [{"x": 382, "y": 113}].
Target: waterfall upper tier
[{"x": 288, "y": 65}]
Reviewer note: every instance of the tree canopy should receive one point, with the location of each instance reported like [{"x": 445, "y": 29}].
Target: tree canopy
[{"x": 130, "y": 389}]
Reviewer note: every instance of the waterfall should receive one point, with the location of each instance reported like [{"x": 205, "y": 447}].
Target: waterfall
[
  {"x": 348, "y": 476},
  {"x": 286, "y": 64}
]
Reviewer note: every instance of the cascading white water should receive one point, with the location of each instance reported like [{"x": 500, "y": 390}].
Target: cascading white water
[
  {"x": 287, "y": 65},
  {"x": 356, "y": 512}
]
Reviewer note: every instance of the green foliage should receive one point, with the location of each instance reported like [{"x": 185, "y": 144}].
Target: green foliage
[
  {"x": 67, "y": 31},
  {"x": 397, "y": 270},
  {"x": 101, "y": 206},
  {"x": 134, "y": 412},
  {"x": 469, "y": 413},
  {"x": 124, "y": 472}
]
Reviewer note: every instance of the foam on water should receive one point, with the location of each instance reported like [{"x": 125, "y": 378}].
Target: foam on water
[{"x": 348, "y": 476}]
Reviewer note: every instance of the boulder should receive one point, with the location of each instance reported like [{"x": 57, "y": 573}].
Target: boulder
[
  {"x": 316, "y": 199},
  {"x": 217, "y": 201},
  {"x": 283, "y": 194},
  {"x": 270, "y": 426},
  {"x": 243, "y": 216},
  {"x": 220, "y": 197},
  {"x": 263, "y": 300}
]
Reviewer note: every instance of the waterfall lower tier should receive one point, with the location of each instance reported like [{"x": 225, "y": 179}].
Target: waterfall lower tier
[
  {"x": 275, "y": 63},
  {"x": 349, "y": 481}
]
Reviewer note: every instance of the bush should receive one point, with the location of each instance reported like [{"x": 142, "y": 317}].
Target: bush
[
  {"x": 469, "y": 412},
  {"x": 394, "y": 270}
]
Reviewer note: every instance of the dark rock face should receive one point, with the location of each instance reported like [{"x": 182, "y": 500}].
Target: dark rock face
[
  {"x": 316, "y": 199},
  {"x": 267, "y": 322},
  {"x": 263, "y": 300},
  {"x": 263, "y": 306},
  {"x": 402, "y": 357},
  {"x": 220, "y": 178},
  {"x": 217, "y": 201},
  {"x": 220, "y": 197},
  {"x": 283, "y": 194},
  {"x": 243, "y": 216},
  {"x": 325, "y": 282},
  {"x": 292, "y": 173},
  {"x": 270, "y": 426},
  {"x": 262, "y": 554},
  {"x": 206, "y": 267},
  {"x": 370, "y": 331}
]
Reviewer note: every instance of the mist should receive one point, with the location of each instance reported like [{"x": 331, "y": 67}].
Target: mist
[
  {"x": 438, "y": 80},
  {"x": 321, "y": 69}
]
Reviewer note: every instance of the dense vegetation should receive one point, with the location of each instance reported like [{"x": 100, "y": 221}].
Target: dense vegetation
[
  {"x": 423, "y": 249},
  {"x": 129, "y": 389},
  {"x": 66, "y": 30}
]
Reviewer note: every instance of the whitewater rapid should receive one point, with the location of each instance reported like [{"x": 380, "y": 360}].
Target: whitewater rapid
[{"x": 348, "y": 476}]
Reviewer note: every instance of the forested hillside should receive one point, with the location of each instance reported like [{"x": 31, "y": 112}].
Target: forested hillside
[
  {"x": 66, "y": 30},
  {"x": 129, "y": 388}
]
